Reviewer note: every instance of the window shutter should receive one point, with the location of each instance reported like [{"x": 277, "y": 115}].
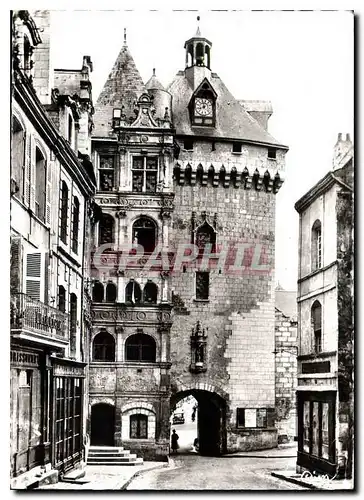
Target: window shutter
[
  {"x": 48, "y": 192},
  {"x": 46, "y": 278},
  {"x": 33, "y": 178},
  {"x": 33, "y": 275},
  {"x": 15, "y": 265},
  {"x": 27, "y": 173}
]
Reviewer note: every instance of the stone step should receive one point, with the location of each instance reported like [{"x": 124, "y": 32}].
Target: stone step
[
  {"x": 123, "y": 453},
  {"x": 106, "y": 448},
  {"x": 136, "y": 461},
  {"x": 128, "y": 458}
]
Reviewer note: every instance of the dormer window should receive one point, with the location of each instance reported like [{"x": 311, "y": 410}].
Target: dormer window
[{"x": 203, "y": 105}]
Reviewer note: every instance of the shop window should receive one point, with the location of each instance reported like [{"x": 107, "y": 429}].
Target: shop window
[
  {"x": 254, "y": 417},
  {"x": 202, "y": 285},
  {"x": 18, "y": 157},
  {"x": 316, "y": 320},
  {"x": 133, "y": 293},
  {"x": 103, "y": 347},
  {"x": 106, "y": 229},
  {"x": 106, "y": 173},
  {"x": 110, "y": 292},
  {"x": 138, "y": 427},
  {"x": 145, "y": 234},
  {"x": 40, "y": 184},
  {"x": 75, "y": 224},
  {"x": 61, "y": 298},
  {"x": 144, "y": 172},
  {"x": 150, "y": 293},
  {"x": 64, "y": 212},
  {"x": 316, "y": 246},
  {"x": 98, "y": 292},
  {"x": 316, "y": 425},
  {"x": 140, "y": 347},
  {"x": 205, "y": 235}
]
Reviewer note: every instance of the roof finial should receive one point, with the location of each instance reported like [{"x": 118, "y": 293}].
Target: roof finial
[
  {"x": 153, "y": 71},
  {"x": 125, "y": 36},
  {"x": 198, "y": 32}
]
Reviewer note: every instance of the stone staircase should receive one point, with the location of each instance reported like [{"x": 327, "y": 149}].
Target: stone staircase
[{"x": 112, "y": 455}]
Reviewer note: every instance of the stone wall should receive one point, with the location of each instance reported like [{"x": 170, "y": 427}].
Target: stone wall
[
  {"x": 239, "y": 314},
  {"x": 286, "y": 376}
]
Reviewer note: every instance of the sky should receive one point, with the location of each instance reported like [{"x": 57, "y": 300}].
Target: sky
[{"x": 303, "y": 62}]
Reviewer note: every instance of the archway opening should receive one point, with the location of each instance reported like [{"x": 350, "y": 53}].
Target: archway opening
[
  {"x": 208, "y": 426},
  {"x": 102, "y": 425}
]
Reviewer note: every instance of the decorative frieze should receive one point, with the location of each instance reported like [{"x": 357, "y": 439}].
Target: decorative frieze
[{"x": 132, "y": 316}]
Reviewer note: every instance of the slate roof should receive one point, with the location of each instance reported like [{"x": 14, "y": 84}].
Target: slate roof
[
  {"x": 286, "y": 302},
  {"x": 154, "y": 84},
  {"x": 123, "y": 87},
  {"x": 232, "y": 121}
]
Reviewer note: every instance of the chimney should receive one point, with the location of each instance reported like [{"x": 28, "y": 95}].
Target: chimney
[{"x": 43, "y": 79}]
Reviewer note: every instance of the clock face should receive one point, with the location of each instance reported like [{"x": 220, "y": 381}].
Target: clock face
[{"x": 203, "y": 106}]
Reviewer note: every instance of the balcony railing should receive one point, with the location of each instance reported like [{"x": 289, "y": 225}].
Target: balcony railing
[{"x": 34, "y": 316}]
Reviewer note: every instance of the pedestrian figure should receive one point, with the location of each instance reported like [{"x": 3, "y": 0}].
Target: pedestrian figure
[{"x": 174, "y": 441}]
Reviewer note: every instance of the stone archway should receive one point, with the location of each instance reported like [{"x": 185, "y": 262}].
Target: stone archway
[
  {"x": 211, "y": 419},
  {"x": 102, "y": 424}
]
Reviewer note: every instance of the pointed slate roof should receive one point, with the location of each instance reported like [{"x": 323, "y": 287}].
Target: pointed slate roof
[
  {"x": 232, "y": 121},
  {"x": 122, "y": 88},
  {"x": 153, "y": 83}
]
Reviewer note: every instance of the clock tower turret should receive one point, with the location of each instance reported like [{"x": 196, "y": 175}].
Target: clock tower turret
[{"x": 198, "y": 58}]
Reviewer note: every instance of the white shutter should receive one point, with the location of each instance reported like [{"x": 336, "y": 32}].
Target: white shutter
[
  {"x": 32, "y": 175},
  {"x": 33, "y": 280},
  {"x": 27, "y": 172},
  {"x": 48, "y": 193}
]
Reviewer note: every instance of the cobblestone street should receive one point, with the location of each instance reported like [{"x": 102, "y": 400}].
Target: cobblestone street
[{"x": 194, "y": 472}]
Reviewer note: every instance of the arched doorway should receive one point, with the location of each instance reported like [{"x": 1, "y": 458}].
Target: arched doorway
[
  {"x": 211, "y": 420},
  {"x": 102, "y": 425}
]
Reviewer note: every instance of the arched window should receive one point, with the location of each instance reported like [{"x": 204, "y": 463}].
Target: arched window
[
  {"x": 207, "y": 56},
  {"x": 189, "y": 61},
  {"x": 40, "y": 184},
  {"x": 200, "y": 54},
  {"x": 64, "y": 211},
  {"x": 61, "y": 298},
  {"x": 103, "y": 347},
  {"x": 150, "y": 293},
  {"x": 98, "y": 292},
  {"x": 205, "y": 235},
  {"x": 133, "y": 292},
  {"x": 145, "y": 234},
  {"x": 73, "y": 322},
  {"x": 75, "y": 224},
  {"x": 188, "y": 175},
  {"x": 17, "y": 156},
  {"x": 106, "y": 229},
  {"x": 316, "y": 319},
  {"x": 110, "y": 292},
  {"x": 316, "y": 246},
  {"x": 138, "y": 426},
  {"x": 210, "y": 176},
  {"x": 140, "y": 347}
]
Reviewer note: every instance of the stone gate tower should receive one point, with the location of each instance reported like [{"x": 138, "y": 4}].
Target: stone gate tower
[{"x": 192, "y": 172}]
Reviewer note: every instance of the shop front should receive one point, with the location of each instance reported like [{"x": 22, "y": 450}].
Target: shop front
[
  {"x": 316, "y": 431},
  {"x": 68, "y": 385}
]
